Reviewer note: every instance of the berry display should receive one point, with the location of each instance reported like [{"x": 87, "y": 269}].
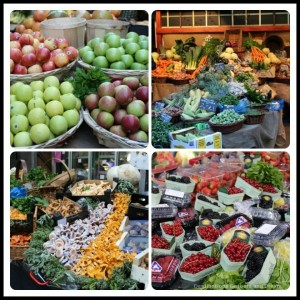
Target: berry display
[
  {"x": 210, "y": 214},
  {"x": 204, "y": 199},
  {"x": 196, "y": 263},
  {"x": 174, "y": 229},
  {"x": 237, "y": 250},
  {"x": 159, "y": 242},
  {"x": 261, "y": 186},
  {"x": 255, "y": 262},
  {"x": 194, "y": 247},
  {"x": 183, "y": 179},
  {"x": 208, "y": 233},
  {"x": 169, "y": 266},
  {"x": 234, "y": 190}
]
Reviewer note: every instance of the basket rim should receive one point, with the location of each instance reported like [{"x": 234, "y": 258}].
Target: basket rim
[
  {"x": 226, "y": 125},
  {"x": 114, "y": 72},
  {"x": 56, "y": 141},
  {"x": 38, "y": 76},
  {"x": 99, "y": 131}
]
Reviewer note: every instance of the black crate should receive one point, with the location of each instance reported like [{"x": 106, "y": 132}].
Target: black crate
[
  {"x": 22, "y": 226},
  {"x": 138, "y": 212}
]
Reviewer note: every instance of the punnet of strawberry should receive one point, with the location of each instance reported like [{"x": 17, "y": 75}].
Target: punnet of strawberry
[
  {"x": 208, "y": 233},
  {"x": 174, "y": 229},
  {"x": 159, "y": 242},
  {"x": 196, "y": 263},
  {"x": 237, "y": 250}
]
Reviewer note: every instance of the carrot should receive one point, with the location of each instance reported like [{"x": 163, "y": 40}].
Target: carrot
[
  {"x": 203, "y": 61},
  {"x": 161, "y": 68},
  {"x": 257, "y": 55}
]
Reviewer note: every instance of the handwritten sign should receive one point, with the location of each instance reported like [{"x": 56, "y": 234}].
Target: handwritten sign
[
  {"x": 165, "y": 117},
  {"x": 208, "y": 104},
  {"x": 159, "y": 105}
]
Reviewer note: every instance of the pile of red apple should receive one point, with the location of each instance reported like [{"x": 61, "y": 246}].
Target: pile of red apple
[
  {"x": 32, "y": 53},
  {"x": 121, "y": 107}
]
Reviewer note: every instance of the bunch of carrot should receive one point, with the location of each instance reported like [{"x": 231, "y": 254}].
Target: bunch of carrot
[
  {"x": 161, "y": 68},
  {"x": 203, "y": 61},
  {"x": 20, "y": 239},
  {"x": 257, "y": 55}
]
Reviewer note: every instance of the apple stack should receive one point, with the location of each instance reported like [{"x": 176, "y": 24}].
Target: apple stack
[
  {"x": 121, "y": 107},
  {"x": 41, "y": 111},
  {"x": 32, "y": 53}
]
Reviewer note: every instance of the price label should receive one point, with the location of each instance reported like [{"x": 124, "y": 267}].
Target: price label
[
  {"x": 174, "y": 193},
  {"x": 165, "y": 117},
  {"x": 159, "y": 105},
  {"x": 62, "y": 221},
  {"x": 220, "y": 66},
  {"x": 208, "y": 104},
  {"x": 266, "y": 229}
]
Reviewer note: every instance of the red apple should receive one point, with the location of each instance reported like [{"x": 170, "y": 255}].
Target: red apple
[
  {"x": 42, "y": 54},
  {"x": 48, "y": 66},
  {"x": 71, "y": 52},
  {"x": 28, "y": 22},
  {"x": 91, "y": 101},
  {"x": 132, "y": 82},
  {"x": 36, "y": 43},
  {"x": 17, "y": 35},
  {"x": 130, "y": 123},
  {"x": 117, "y": 82},
  {"x": 39, "y": 15},
  {"x": 12, "y": 65},
  {"x": 38, "y": 35},
  {"x": 54, "y": 53},
  {"x": 62, "y": 43},
  {"x": 36, "y": 26},
  {"x": 118, "y": 115},
  {"x": 15, "y": 44},
  {"x": 61, "y": 60},
  {"x": 28, "y": 31},
  {"x": 142, "y": 93},
  {"x": 16, "y": 55},
  {"x": 35, "y": 69},
  {"x": 28, "y": 60},
  {"x": 106, "y": 89},
  {"x": 20, "y": 28},
  {"x": 11, "y": 37},
  {"x": 19, "y": 69},
  {"x": 51, "y": 43},
  {"x": 118, "y": 130},
  {"x": 124, "y": 95},
  {"x": 26, "y": 39},
  {"x": 107, "y": 103},
  {"x": 27, "y": 49}
]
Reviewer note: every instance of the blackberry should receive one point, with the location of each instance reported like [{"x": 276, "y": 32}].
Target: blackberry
[
  {"x": 198, "y": 246},
  {"x": 185, "y": 179},
  {"x": 202, "y": 198},
  {"x": 172, "y": 178},
  {"x": 155, "y": 190},
  {"x": 215, "y": 203},
  {"x": 250, "y": 275},
  {"x": 252, "y": 265},
  {"x": 178, "y": 180},
  {"x": 214, "y": 215},
  {"x": 206, "y": 211},
  {"x": 223, "y": 216}
]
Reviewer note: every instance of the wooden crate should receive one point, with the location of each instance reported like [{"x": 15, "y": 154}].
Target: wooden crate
[
  {"x": 234, "y": 36},
  {"x": 259, "y": 37}
]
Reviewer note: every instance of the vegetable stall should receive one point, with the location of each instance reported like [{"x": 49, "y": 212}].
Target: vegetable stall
[
  {"x": 220, "y": 220},
  {"x": 199, "y": 74},
  {"x": 67, "y": 233}
]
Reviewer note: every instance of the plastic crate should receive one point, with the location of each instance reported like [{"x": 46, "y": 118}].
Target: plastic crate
[
  {"x": 163, "y": 212},
  {"x": 180, "y": 186},
  {"x": 176, "y": 198}
]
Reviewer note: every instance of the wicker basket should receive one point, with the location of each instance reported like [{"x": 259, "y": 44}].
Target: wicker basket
[
  {"x": 108, "y": 139},
  {"x": 60, "y": 140},
  {"x": 226, "y": 128},
  {"x": 261, "y": 107},
  {"x": 27, "y": 78},
  {"x": 48, "y": 192},
  {"x": 254, "y": 119},
  {"x": 112, "y": 73}
]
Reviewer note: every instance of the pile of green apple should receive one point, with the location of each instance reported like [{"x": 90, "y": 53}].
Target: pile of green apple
[
  {"x": 116, "y": 53},
  {"x": 121, "y": 107},
  {"x": 41, "y": 111}
]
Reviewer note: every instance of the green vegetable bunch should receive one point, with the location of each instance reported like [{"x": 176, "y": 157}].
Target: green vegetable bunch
[
  {"x": 27, "y": 204},
  {"x": 264, "y": 172},
  {"x": 229, "y": 100},
  {"x": 255, "y": 96},
  {"x": 227, "y": 116},
  {"x": 244, "y": 77},
  {"x": 213, "y": 48},
  {"x": 192, "y": 57},
  {"x": 39, "y": 176},
  {"x": 15, "y": 182},
  {"x": 249, "y": 43},
  {"x": 124, "y": 186}
]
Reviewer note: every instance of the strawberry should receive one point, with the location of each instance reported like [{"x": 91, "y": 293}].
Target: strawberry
[
  {"x": 232, "y": 223},
  {"x": 206, "y": 191},
  {"x": 198, "y": 187},
  {"x": 230, "y": 183},
  {"x": 214, "y": 191},
  {"x": 226, "y": 176},
  {"x": 212, "y": 185},
  {"x": 204, "y": 182}
]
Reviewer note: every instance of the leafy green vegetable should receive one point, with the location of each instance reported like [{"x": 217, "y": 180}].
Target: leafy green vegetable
[
  {"x": 259, "y": 65},
  {"x": 213, "y": 48},
  {"x": 243, "y": 77},
  {"x": 229, "y": 100},
  {"x": 265, "y": 173},
  {"x": 255, "y": 96},
  {"x": 39, "y": 176},
  {"x": 15, "y": 182},
  {"x": 87, "y": 82},
  {"x": 26, "y": 204},
  {"x": 124, "y": 186},
  {"x": 249, "y": 43},
  {"x": 183, "y": 47},
  {"x": 192, "y": 57}
]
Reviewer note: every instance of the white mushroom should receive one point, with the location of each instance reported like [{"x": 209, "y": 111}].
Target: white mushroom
[{"x": 59, "y": 252}]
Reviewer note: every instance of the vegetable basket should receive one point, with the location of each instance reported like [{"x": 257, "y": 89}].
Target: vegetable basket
[
  {"x": 59, "y": 73},
  {"x": 59, "y": 141},
  {"x": 113, "y": 73},
  {"x": 48, "y": 192},
  {"x": 108, "y": 139},
  {"x": 226, "y": 128},
  {"x": 254, "y": 119}
]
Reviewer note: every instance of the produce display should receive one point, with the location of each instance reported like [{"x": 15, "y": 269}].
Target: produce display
[
  {"x": 90, "y": 189},
  {"x": 20, "y": 239},
  {"x": 113, "y": 52},
  {"x": 226, "y": 117},
  {"x": 65, "y": 207},
  {"x": 241, "y": 243}
]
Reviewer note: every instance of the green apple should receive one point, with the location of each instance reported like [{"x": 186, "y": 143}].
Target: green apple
[
  {"x": 72, "y": 117},
  {"x": 24, "y": 93},
  {"x": 132, "y": 35},
  {"x": 113, "y": 40},
  {"x": 138, "y": 66},
  {"x": 122, "y": 50},
  {"x": 18, "y": 108},
  {"x": 52, "y": 136},
  {"x": 37, "y": 85},
  {"x": 84, "y": 49},
  {"x": 58, "y": 125},
  {"x": 39, "y": 133},
  {"x": 128, "y": 60},
  {"x": 13, "y": 98},
  {"x": 54, "y": 108},
  {"x": 22, "y": 139},
  {"x": 47, "y": 122},
  {"x": 100, "y": 62},
  {"x": 132, "y": 48},
  {"x": 14, "y": 87},
  {"x": 36, "y": 102},
  {"x": 18, "y": 123},
  {"x": 126, "y": 42},
  {"x": 144, "y": 122},
  {"x": 118, "y": 65},
  {"x": 88, "y": 57},
  {"x": 113, "y": 54},
  {"x": 51, "y": 93},
  {"x": 38, "y": 94},
  {"x": 66, "y": 87},
  {"x": 143, "y": 37},
  {"x": 141, "y": 56},
  {"x": 100, "y": 49},
  {"x": 108, "y": 34},
  {"x": 78, "y": 104},
  {"x": 93, "y": 42},
  {"x": 68, "y": 101},
  {"x": 51, "y": 81},
  {"x": 11, "y": 138},
  {"x": 144, "y": 44},
  {"x": 37, "y": 115}
]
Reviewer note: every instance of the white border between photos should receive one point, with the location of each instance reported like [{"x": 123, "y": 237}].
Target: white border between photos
[{"x": 150, "y": 8}]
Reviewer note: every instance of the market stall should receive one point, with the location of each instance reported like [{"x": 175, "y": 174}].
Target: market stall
[
  {"x": 198, "y": 75},
  {"x": 220, "y": 220},
  {"x": 64, "y": 75},
  {"x": 68, "y": 233}
]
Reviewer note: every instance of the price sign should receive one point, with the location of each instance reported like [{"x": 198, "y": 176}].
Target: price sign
[
  {"x": 159, "y": 105},
  {"x": 62, "y": 221},
  {"x": 165, "y": 117},
  {"x": 208, "y": 104},
  {"x": 174, "y": 193}
]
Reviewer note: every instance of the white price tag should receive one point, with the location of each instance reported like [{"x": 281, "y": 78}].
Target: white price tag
[
  {"x": 265, "y": 229},
  {"x": 161, "y": 205},
  {"x": 174, "y": 193},
  {"x": 62, "y": 221}
]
